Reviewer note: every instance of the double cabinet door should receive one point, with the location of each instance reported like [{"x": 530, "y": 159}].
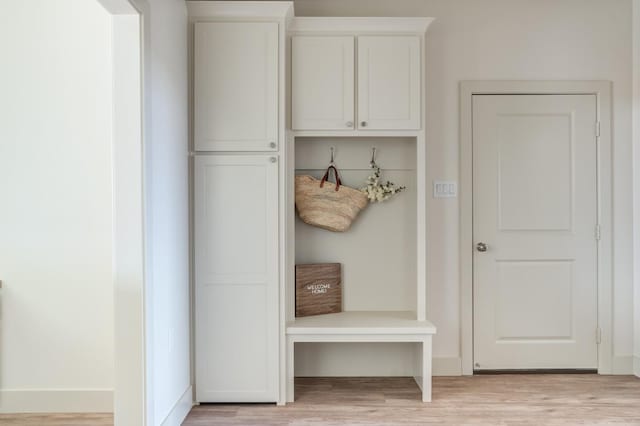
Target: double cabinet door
[{"x": 348, "y": 82}]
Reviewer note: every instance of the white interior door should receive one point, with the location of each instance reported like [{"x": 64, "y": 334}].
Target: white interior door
[
  {"x": 235, "y": 86},
  {"x": 236, "y": 278},
  {"x": 535, "y": 209},
  {"x": 388, "y": 82},
  {"x": 322, "y": 69}
]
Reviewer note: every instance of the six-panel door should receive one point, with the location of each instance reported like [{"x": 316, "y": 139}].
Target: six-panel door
[
  {"x": 389, "y": 82},
  {"x": 236, "y": 278},
  {"x": 235, "y": 86},
  {"x": 322, "y": 83}
]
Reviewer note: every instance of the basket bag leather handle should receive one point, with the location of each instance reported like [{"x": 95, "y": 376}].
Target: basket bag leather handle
[{"x": 326, "y": 177}]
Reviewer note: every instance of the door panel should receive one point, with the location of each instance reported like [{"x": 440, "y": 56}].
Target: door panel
[
  {"x": 535, "y": 206},
  {"x": 236, "y": 86},
  {"x": 322, "y": 83},
  {"x": 236, "y": 278},
  {"x": 388, "y": 82}
]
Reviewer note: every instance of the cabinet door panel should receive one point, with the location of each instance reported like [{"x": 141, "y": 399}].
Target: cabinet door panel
[
  {"x": 235, "y": 86},
  {"x": 322, "y": 83},
  {"x": 389, "y": 82},
  {"x": 236, "y": 278}
]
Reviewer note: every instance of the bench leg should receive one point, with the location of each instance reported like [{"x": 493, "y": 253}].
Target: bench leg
[
  {"x": 426, "y": 369},
  {"x": 290, "y": 369}
]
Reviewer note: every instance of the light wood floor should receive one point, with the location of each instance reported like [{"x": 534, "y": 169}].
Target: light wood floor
[
  {"x": 56, "y": 419},
  {"x": 479, "y": 400}
]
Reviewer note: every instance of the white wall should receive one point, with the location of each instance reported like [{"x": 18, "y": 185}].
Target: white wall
[
  {"x": 509, "y": 40},
  {"x": 636, "y": 167},
  {"x": 57, "y": 317},
  {"x": 169, "y": 395}
]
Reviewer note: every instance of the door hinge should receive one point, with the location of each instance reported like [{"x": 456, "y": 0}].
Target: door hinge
[
  {"x": 597, "y": 129},
  {"x": 598, "y": 232},
  {"x": 598, "y": 335}
]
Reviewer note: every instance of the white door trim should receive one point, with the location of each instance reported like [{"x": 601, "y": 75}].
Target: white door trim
[{"x": 602, "y": 90}]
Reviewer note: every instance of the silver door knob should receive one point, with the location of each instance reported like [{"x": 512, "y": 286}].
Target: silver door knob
[
  {"x": 272, "y": 144},
  {"x": 482, "y": 247},
  {"x": 273, "y": 159},
  {"x": 349, "y": 123},
  {"x": 363, "y": 124}
]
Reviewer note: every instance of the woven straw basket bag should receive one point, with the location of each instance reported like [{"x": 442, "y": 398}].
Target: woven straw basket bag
[{"x": 328, "y": 205}]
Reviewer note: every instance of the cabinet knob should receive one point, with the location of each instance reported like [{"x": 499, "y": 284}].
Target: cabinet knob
[
  {"x": 363, "y": 124},
  {"x": 273, "y": 159},
  {"x": 349, "y": 123},
  {"x": 272, "y": 144}
]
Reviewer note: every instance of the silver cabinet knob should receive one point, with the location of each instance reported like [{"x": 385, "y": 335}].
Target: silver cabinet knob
[
  {"x": 363, "y": 124},
  {"x": 349, "y": 123},
  {"x": 481, "y": 247},
  {"x": 273, "y": 159},
  {"x": 272, "y": 144}
]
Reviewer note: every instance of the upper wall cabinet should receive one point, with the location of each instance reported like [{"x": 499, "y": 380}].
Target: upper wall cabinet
[
  {"x": 235, "y": 86},
  {"x": 323, "y": 83},
  {"x": 388, "y": 82}
]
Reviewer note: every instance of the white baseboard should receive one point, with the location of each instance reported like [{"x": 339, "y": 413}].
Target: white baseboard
[
  {"x": 447, "y": 366},
  {"x": 56, "y": 401},
  {"x": 180, "y": 410},
  {"x": 622, "y": 365},
  {"x": 636, "y": 366}
]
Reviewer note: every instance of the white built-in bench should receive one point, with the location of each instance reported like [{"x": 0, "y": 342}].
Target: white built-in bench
[{"x": 379, "y": 326}]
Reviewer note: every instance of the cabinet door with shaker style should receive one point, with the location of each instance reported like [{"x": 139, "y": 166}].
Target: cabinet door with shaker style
[
  {"x": 323, "y": 83},
  {"x": 389, "y": 82},
  {"x": 235, "y": 89},
  {"x": 236, "y": 277}
]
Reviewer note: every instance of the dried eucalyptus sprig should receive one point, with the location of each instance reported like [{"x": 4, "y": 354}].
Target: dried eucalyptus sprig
[{"x": 379, "y": 192}]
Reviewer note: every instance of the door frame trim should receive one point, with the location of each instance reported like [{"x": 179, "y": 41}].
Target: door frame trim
[{"x": 602, "y": 91}]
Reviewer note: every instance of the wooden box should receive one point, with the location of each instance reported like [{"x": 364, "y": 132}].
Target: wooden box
[{"x": 318, "y": 289}]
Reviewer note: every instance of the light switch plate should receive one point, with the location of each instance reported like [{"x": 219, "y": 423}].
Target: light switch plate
[{"x": 445, "y": 189}]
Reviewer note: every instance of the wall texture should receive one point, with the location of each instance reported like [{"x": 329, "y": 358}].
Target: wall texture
[
  {"x": 56, "y": 325},
  {"x": 636, "y": 182},
  {"x": 511, "y": 40}
]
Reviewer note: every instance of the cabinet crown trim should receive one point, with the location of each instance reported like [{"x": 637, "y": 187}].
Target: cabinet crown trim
[
  {"x": 240, "y": 9},
  {"x": 360, "y": 25}
]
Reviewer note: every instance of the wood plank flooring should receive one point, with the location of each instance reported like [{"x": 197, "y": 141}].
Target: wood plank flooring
[
  {"x": 546, "y": 399},
  {"x": 56, "y": 419},
  {"x": 582, "y": 399}
]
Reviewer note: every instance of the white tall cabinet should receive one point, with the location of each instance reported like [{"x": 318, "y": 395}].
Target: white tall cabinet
[{"x": 237, "y": 68}]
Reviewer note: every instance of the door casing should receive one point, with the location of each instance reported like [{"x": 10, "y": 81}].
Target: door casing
[{"x": 602, "y": 91}]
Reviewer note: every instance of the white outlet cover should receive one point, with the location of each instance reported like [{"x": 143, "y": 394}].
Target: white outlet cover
[{"x": 445, "y": 189}]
